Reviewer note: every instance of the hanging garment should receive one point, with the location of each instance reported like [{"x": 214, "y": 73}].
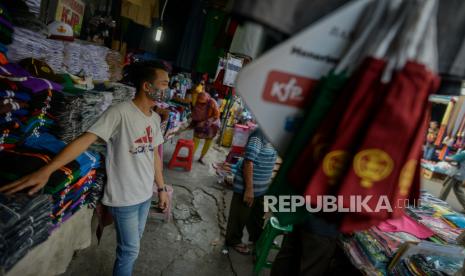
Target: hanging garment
[
  {"x": 338, "y": 133},
  {"x": 385, "y": 164},
  {"x": 327, "y": 91}
]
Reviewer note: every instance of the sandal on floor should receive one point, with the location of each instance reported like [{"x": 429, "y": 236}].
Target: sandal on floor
[{"x": 241, "y": 249}]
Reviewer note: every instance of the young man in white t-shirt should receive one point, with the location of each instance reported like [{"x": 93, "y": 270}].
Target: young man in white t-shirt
[{"x": 132, "y": 133}]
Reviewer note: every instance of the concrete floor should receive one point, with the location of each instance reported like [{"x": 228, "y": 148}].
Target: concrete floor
[{"x": 192, "y": 242}]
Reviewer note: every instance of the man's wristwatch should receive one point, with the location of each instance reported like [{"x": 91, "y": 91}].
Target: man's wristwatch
[{"x": 162, "y": 189}]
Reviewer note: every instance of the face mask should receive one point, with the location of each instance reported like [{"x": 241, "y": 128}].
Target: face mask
[{"x": 157, "y": 94}]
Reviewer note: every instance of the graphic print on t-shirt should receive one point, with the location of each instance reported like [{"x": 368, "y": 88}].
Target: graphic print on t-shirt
[{"x": 144, "y": 143}]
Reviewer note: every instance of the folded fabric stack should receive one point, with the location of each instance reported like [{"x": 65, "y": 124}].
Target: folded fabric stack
[
  {"x": 71, "y": 199},
  {"x": 373, "y": 250},
  {"x": 121, "y": 92},
  {"x": 72, "y": 57},
  {"x": 90, "y": 59},
  {"x": 24, "y": 222},
  {"x": 69, "y": 186},
  {"x": 69, "y": 120},
  {"x": 34, "y": 6},
  {"x": 28, "y": 43},
  {"x": 27, "y": 104},
  {"x": 94, "y": 104},
  {"x": 6, "y": 27},
  {"x": 421, "y": 264},
  {"x": 24, "y": 14},
  {"x": 96, "y": 190},
  {"x": 115, "y": 64}
]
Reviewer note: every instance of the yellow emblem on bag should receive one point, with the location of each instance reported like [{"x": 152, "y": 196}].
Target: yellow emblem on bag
[
  {"x": 372, "y": 165},
  {"x": 334, "y": 163},
  {"x": 406, "y": 177}
]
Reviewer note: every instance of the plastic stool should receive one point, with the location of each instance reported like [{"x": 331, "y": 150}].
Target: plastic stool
[
  {"x": 166, "y": 216},
  {"x": 266, "y": 242},
  {"x": 183, "y": 162}
]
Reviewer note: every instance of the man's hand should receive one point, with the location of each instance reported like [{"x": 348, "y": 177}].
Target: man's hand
[
  {"x": 34, "y": 181},
  {"x": 248, "y": 197},
  {"x": 163, "y": 200}
]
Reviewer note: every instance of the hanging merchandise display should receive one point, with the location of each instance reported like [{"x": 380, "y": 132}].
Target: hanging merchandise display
[{"x": 277, "y": 86}]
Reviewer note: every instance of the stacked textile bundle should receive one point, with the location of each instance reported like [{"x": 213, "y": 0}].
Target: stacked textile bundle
[
  {"x": 94, "y": 104},
  {"x": 69, "y": 186},
  {"x": 373, "y": 250},
  {"x": 28, "y": 43},
  {"x": 73, "y": 57},
  {"x": 428, "y": 264},
  {"x": 68, "y": 120},
  {"x": 6, "y": 27},
  {"x": 24, "y": 223},
  {"x": 121, "y": 92},
  {"x": 115, "y": 64},
  {"x": 71, "y": 199},
  {"x": 27, "y": 104},
  {"x": 96, "y": 190},
  {"x": 34, "y": 6},
  {"x": 90, "y": 59}
]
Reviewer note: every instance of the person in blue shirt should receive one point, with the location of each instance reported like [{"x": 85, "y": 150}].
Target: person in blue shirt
[
  {"x": 456, "y": 181},
  {"x": 251, "y": 182}
]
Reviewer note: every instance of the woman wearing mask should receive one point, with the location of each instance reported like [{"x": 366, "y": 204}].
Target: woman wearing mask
[{"x": 205, "y": 121}]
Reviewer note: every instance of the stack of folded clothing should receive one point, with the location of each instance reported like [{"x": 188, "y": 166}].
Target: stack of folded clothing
[
  {"x": 24, "y": 223},
  {"x": 68, "y": 120},
  {"x": 90, "y": 59},
  {"x": 121, "y": 92},
  {"x": 5, "y": 24},
  {"x": 96, "y": 190},
  {"x": 115, "y": 64},
  {"x": 28, "y": 43},
  {"x": 94, "y": 104},
  {"x": 34, "y": 6},
  {"x": 69, "y": 200},
  {"x": 69, "y": 186},
  {"x": 13, "y": 106},
  {"x": 6, "y": 27},
  {"x": 27, "y": 104},
  {"x": 24, "y": 14}
]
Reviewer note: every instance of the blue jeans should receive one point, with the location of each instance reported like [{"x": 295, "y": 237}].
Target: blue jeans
[{"x": 129, "y": 224}]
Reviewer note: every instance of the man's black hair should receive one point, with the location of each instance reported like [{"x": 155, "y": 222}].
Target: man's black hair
[{"x": 138, "y": 73}]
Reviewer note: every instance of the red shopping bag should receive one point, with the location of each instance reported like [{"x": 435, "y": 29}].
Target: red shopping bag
[
  {"x": 391, "y": 147},
  {"x": 359, "y": 92}
]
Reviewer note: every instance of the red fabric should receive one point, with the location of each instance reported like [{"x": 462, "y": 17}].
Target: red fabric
[
  {"x": 359, "y": 84},
  {"x": 407, "y": 225},
  {"x": 386, "y": 162},
  {"x": 345, "y": 119}
]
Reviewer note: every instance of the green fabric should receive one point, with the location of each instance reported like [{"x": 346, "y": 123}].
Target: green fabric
[
  {"x": 326, "y": 93},
  {"x": 52, "y": 190},
  {"x": 208, "y": 57},
  {"x": 68, "y": 85}
]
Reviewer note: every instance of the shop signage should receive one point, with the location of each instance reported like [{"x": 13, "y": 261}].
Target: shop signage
[
  {"x": 71, "y": 12},
  {"x": 287, "y": 89},
  {"x": 276, "y": 86}
]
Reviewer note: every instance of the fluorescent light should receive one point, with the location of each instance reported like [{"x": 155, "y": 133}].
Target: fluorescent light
[{"x": 158, "y": 34}]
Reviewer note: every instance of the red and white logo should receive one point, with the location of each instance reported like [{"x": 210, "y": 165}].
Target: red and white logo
[
  {"x": 287, "y": 89},
  {"x": 147, "y": 138}
]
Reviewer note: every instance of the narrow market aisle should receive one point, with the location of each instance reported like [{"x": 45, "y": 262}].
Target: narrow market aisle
[{"x": 191, "y": 243}]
